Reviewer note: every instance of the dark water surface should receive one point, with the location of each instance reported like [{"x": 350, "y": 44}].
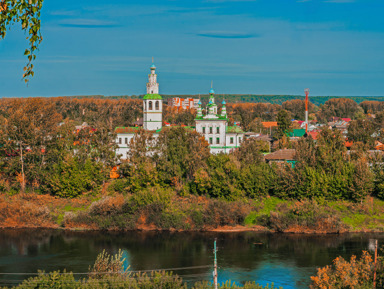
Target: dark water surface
[{"x": 285, "y": 260}]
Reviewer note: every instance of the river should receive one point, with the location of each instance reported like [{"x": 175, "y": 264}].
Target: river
[{"x": 286, "y": 260}]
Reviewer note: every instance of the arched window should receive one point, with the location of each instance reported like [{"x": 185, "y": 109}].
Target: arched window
[
  {"x": 150, "y": 105},
  {"x": 145, "y": 105},
  {"x": 157, "y": 105}
]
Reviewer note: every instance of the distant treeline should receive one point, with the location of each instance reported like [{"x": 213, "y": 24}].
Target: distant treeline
[{"x": 234, "y": 98}]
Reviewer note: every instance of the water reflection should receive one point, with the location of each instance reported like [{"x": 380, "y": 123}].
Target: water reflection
[{"x": 286, "y": 260}]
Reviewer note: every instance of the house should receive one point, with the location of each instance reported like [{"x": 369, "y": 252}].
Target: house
[{"x": 281, "y": 157}]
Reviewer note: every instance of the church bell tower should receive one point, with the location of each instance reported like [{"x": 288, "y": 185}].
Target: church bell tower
[{"x": 152, "y": 103}]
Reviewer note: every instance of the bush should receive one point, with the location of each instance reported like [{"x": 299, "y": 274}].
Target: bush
[
  {"x": 357, "y": 273},
  {"x": 222, "y": 213},
  {"x": 305, "y": 215}
]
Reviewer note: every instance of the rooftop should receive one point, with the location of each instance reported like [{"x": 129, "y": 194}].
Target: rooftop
[
  {"x": 152, "y": 96},
  {"x": 285, "y": 154},
  {"x": 234, "y": 129},
  {"x": 269, "y": 124}
]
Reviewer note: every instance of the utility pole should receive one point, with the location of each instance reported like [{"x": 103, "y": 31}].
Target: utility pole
[
  {"x": 215, "y": 266},
  {"x": 374, "y": 274}
]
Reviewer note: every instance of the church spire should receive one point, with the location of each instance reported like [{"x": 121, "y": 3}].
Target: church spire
[{"x": 152, "y": 85}]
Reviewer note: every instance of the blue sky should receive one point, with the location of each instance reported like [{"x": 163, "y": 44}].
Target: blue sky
[{"x": 334, "y": 47}]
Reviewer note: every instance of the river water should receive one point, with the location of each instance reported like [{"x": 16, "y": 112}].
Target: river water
[{"x": 286, "y": 260}]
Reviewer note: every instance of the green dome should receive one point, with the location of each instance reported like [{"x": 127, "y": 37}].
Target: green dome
[{"x": 152, "y": 96}]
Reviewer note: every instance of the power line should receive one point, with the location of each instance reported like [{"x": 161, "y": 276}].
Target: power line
[{"x": 137, "y": 271}]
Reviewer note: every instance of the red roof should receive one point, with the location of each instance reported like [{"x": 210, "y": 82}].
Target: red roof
[
  {"x": 348, "y": 144},
  {"x": 346, "y": 119},
  {"x": 313, "y": 134},
  {"x": 268, "y": 124}
]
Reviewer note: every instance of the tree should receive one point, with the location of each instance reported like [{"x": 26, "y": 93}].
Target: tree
[
  {"x": 27, "y": 13},
  {"x": 180, "y": 154},
  {"x": 372, "y": 107},
  {"x": 297, "y": 108},
  {"x": 31, "y": 129},
  {"x": 220, "y": 179},
  {"x": 250, "y": 152},
  {"x": 361, "y": 131},
  {"x": 338, "y": 107},
  {"x": 140, "y": 169},
  {"x": 284, "y": 123}
]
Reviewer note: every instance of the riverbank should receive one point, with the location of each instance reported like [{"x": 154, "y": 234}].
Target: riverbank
[{"x": 164, "y": 210}]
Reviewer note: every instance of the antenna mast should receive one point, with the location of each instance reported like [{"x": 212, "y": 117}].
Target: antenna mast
[{"x": 306, "y": 109}]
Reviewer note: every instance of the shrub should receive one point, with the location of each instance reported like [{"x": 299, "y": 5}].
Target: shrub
[
  {"x": 107, "y": 265},
  {"x": 222, "y": 213},
  {"x": 304, "y": 215},
  {"x": 357, "y": 273}
]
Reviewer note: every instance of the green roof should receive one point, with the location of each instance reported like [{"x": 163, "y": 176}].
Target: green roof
[
  {"x": 234, "y": 129},
  {"x": 152, "y": 96},
  {"x": 297, "y": 133}
]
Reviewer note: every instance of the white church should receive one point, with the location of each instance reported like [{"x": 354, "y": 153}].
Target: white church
[{"x": 213, "y": 126}]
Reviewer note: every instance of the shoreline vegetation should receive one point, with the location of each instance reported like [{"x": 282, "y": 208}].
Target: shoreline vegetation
[{"x": 157, "y": 209}]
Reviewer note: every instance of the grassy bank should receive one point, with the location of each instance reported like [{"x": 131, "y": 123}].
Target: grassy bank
[{"x": 162, "y": 209}]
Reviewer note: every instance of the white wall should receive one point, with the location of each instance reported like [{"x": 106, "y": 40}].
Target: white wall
[{"x": 221, "y": 124}]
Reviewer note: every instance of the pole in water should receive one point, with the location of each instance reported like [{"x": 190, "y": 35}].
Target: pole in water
[{"x": 215, "y": 266}]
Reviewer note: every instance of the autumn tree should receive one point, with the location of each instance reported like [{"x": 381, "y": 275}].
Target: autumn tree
[
  {"x": 357, "y": 273},
  {"x": 361, "y": 130},
  {"x": 30, "y": 129},
  {"x": 372, "y": 107},
  {"x": 338, "y": 107},
  {"x": 179, "y": 116},
  {"x": 297, "y": 108},
  {"x": 26, "y": 13}
]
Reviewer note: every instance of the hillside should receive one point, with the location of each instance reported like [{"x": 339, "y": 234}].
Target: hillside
[{"x": 233, "y": 98}]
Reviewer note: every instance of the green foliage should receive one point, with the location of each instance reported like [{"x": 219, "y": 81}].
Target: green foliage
[
  {"x": 284, "y": 123},
  {"x": 180, "y": 154},
  {"x": 70, "y": 178},
  {"x": 55, "y": 280},
  {"x": 220, "y": 179},
  {"x": 262, "y": 211},
  {"x": 26, "y": 13},
  {"x": 256, "y": 180},
  {"x": 361, "y": 131}
]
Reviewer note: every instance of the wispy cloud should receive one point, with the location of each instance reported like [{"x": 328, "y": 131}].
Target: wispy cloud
[
  {"x": 64, "y": 13},
  {"x": 226, "y": 34},
  {"x": 87, "y": 23},
  {"x": 339, "y": 1},
  {"x": 328, "y": 1}
]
